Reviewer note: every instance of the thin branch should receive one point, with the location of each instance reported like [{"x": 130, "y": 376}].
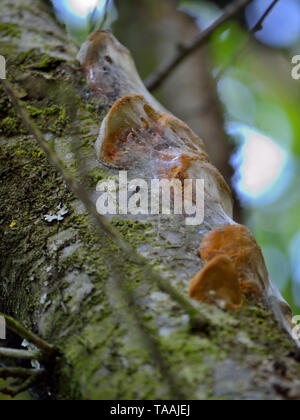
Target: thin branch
[
  {"x": 13, "y": 391},
  {"x": 17, "y": 372},
  {"x": 21, "y": 354},
  {"x": 30, "y": 376},
  {"x": 256, "y": 28},
  {"x": 18, "y": 329},
  {"x": 259, "y": 24},
  {"x": 197, "y": 320},
  {"x": 105, "y": 15},
  {"x": 158, "y": 76},
  {"x": 93, "y": 20}
]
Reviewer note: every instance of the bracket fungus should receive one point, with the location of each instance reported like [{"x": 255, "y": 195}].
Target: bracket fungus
[
  {"x": 238, "y": 243},
  {"x": 134, "y": 127},
  {"x": 134, "y": 133},
  {"x": 235, "y": 243},
  {"x": 218, "y": 283}
]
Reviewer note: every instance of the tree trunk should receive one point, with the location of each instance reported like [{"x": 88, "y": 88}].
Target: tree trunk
[{"x": 120, "y": 336}]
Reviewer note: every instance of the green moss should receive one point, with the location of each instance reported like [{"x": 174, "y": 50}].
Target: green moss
[
  {"x": 26, "y": 58},
  {"x": 10, "y": 30},
  {"x": 134, "y": 232},
  {"x": 34, "y": 59},
  {"x": 61, "y": 122},
  {"x": 47, "y": 63},
  {"x": 35, "y": 112},
  {"x": 45, "y": 118},
  {"x": 30, "y": 189},
  {"x": 96, "y": 175},
  {"x": 9, "y": 126},
  {"x": 7, "y": 49}
]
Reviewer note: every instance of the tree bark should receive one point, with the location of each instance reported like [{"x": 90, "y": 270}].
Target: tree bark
[{"x": 120, "y": 336}]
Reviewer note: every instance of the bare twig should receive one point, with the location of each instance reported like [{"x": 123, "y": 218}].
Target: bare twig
[
  {"x": 21, "y": 354},
  {"x": 259, "y": 24},
  {"x": 105, "y": 14},
  {"x": 17, "y": 372},
  {"x": 158, "y": 76},
  {"x": 197, "y": 319},
  {"x": 94, "y": 25},
  {"x": 256, "y": 28},
  {"x": 18, "y": 329},
  {"x": 30, "y": 376},
  {"x": 13, "y": 391}
]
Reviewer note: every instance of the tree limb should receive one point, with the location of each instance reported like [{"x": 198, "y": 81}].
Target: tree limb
[
  {"x": 18, "y": 329},
  {"x": 159, "y": 75},
  {"x": 13, "y": 391},
  {"x": 17, "y": 372},
  {"x": 29, "y": 375},
  {"x": 21, "y": 354}
]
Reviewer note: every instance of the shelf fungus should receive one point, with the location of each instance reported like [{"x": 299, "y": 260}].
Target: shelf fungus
[
  {"x": 134, "y": 129},
  {"x": 237, "y": 243},
  {"x": 135, "y": 134},
  {"x": 235, "y": 266},
  {"x": 232, "y": 255},
  {"x": 218, "y": 283}
]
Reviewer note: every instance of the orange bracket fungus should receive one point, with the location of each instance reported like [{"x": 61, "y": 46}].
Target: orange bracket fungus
[
  {"x": 218, "y": 283},
  {"x": 237, "y": 243},
  {"x": 133, "y": 126},
  {"x": 134, "y": 133}
]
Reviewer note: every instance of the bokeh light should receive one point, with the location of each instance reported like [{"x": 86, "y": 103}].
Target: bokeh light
[
  {"x": 78, "y": 10},
  {"x": 263, "y": 167},
  {"x": 82, "y": 8},
  {"x": 82, "y": 17}
]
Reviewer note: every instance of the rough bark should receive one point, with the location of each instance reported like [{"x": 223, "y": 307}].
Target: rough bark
[{"x": 80, "y": 292}]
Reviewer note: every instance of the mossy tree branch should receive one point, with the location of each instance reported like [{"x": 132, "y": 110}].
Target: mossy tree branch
[{"x": 60, "y": 277}]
